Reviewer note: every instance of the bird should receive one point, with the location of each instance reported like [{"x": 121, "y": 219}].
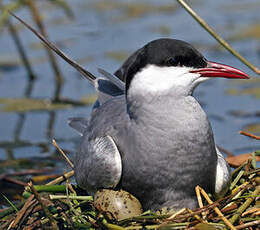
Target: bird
[
  {"x": 147, "y": 134},
  {"x": 150, "y": 136}
]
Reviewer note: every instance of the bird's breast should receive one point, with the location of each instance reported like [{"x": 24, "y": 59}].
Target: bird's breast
[{"x": 172, "y": 144}]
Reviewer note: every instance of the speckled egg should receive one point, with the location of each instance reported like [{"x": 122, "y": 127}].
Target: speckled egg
[{"x": 120, "y": 204}]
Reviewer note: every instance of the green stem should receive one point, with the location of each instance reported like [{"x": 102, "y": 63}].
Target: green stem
[
  {"x": 45, "y": 188},
  {"x": 10, "y": 210},
  {"x": 244, "y": 206},
  {"x": 113, "y": 227},
  {"x": 239, "y": 175}
]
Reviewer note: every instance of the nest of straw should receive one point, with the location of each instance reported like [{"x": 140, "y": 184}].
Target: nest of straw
[{"x": 61, "y": 206}]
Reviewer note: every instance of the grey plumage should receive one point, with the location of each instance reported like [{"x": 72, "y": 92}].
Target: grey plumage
[
  {"x": 103, "y": 167},
  {"x": 78, "y": 123},
  {"x": 154, "y": 150},
  {"x": 164, "y": 139}
]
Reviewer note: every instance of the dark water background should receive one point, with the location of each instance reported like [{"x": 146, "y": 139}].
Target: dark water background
[{"x": 102, "y": 34}]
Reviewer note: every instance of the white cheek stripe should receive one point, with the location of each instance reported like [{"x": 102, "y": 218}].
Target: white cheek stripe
[{"x": 157, "y": 79}]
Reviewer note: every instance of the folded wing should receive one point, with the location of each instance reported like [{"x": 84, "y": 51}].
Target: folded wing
[{"x": 98, "y": 164}]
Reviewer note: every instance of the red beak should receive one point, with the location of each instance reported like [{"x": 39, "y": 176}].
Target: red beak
[{"x": 214, "y": 69}]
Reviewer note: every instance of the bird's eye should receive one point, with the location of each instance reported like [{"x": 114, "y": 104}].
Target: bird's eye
[{"x": 172, "y": 62}]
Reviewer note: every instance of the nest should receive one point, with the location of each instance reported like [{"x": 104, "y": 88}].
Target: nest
[{"x": 62, "y": 206}]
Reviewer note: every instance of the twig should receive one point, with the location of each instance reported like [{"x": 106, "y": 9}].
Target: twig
[
  {"x": 234, "y": 182},
  {"x": 86, "y": 198},
  {"x": 244, "y": 206},
  {"x": 45, "y": 209},
  {"x": 67, "y": 218},
  {"x": 197, "y": 190},
  {"x": 250, "y": 211},
  {"x": 71, "y": 189},
  {"x": 62, "y": 153},
  {"x": 235, "y": 193},
  {"x": 15, "y": 181},
  {"x": 216, "y": 209},
  {"x": 61, "y": 178},
  {"x": 239, "y": 168},
  {"x": 229, "y": 207},
  {"x": 196, "y": 216},
  {"x": 176, "y": 214},
  {"x": 22, "y": 211},
  {"x": 249, "y": 135},
  {"x": 249, "y": 224},
  {"x": 216, "y": 36}
]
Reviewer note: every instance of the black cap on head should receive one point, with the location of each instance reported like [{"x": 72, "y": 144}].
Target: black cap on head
[{"x": 161, "y": 52}]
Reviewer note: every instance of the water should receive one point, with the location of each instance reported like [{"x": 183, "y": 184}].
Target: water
[{"x": 102, "y": 34}]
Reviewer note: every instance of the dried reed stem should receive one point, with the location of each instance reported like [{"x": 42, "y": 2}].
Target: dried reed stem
[
  {"x": 62, "y": 153},
  {"x": 213, "y": 33},
  {"x": 62, "y": 178},
  {"x": 197, "y": 190},
  {"x": 219, "y": 213}
]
